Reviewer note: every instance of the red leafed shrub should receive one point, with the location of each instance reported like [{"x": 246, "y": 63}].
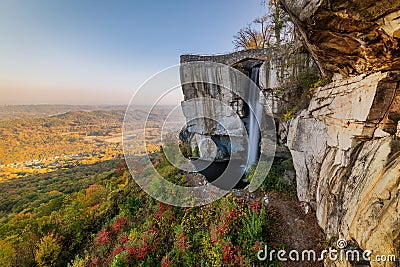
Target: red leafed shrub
[
  {"x": 124, "y": 238},
  {"x": 181, "y": 242},
  {"x": 227, "y": 253},
  {"x": 143, "y": 251},
  {"x": 161, "y": 209},
  {"x": 232, "y": 215},
  {"x": 255, "y": 206},
  {"x": 120, "y": 222},
  {"x": 258, "y": 246},
  {"x": 102, "y": 238},
  {"x": 214, "y": 238},
  {"x": 132, "y": 251},
  {"x": 240, "y": 259},
  {"x": 219, "y": 231},
  {"x": 144, "y": 245},
  {"x": 165, "y": 262},
  {"x": 118, "y": 250},
  {"x": 95, "y": 261}
]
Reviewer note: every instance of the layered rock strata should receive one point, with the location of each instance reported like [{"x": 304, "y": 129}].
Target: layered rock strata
[{"x": 347, "y": 159}]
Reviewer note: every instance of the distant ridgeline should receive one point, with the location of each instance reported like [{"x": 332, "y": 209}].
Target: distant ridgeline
[{"x": 30, "y": 111}]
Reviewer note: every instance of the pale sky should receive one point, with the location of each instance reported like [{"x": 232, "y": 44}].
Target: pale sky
[{"x": 100, "y": 52}]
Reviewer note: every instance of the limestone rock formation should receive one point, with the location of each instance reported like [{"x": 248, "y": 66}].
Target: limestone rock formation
[
  {"x": 347, "y": 159},
  {"x": 215, "y": 107},
  {"x": 349, "y": 37},
  {"x": 212, "y": 90},
  {"x": 345, "y": 145}
]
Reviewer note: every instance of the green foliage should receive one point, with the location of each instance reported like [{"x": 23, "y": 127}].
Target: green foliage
[
  {"x": 114, "y": 223},
  {"x": 307, "y": 79},
  {"x": 186, "y": 149},
  {"x": 119, "y": 261},
  {"x": 250, "y": 173},
  {"x": 253, "y": 224},
  {"x": 132, "y": 205},
  {"x": 156, "y": 234},
  {"x": 289, "y": 114},
  {"x": 48, "y": 251},
  {"x": 274, "y": 181},
  {"x": 318, "y": 83},
  {"x": 73, "y": 216},
  {"x": 48, "y": 190},
  {"x": 78, "y": 261},
  {"x": 168, "y": 172},
  {"x": 7, "y": 253},
  {"x": 196, "y": 152}
]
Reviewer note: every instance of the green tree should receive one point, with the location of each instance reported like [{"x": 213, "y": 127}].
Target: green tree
[
  {"x": 7, "y": 254},
  {"x": 48, "y": 250}
]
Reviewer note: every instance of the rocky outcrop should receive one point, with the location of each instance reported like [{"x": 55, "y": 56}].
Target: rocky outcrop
[
  {"x": 209, "y": 87},
  {"x": 211, "y": 109},
  {"x": 347, "y": 159},
  {"x": 216, "y": 107},
  {"x": 345, "y": 145},
  {"x": 349, "y": 37}
]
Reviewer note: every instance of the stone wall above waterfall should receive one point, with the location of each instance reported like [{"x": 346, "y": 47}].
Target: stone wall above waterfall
[
  {"x": 347, "y": 159},
  {"x": 231, "y": 58}
]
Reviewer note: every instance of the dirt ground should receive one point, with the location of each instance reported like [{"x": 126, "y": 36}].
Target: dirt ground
[{"x": 300, "y": 231}]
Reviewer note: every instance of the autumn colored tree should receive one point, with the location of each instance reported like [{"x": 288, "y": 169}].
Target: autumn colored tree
[
  {"x": 48, "y": 250},
  {"x": 273, "y": 30},
  {"x": 7, "y": 253},
  {"x": 250, "y": 37}
]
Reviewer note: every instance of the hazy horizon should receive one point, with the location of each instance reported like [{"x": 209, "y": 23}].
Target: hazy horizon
[{"x": 100, "y": 52}]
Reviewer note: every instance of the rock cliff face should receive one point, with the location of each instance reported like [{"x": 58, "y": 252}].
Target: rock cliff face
[
  {"x": 212, "y": 110},
  {"x": 216, "y": 107},
  {"x": 345, "y": 145},
  {"x": 215, "y": 95},
  {"x": 349, "y": 37},
  {"x": 347, "y": 159}
]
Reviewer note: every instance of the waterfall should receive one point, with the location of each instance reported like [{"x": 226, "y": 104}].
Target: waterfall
[{"x": 255, "y": 111}]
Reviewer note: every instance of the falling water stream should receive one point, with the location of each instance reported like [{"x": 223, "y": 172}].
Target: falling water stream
[{"x": 255, "y": 111}]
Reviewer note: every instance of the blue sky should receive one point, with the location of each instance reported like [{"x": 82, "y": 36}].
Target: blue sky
[{"x": 98, "y": 51}]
